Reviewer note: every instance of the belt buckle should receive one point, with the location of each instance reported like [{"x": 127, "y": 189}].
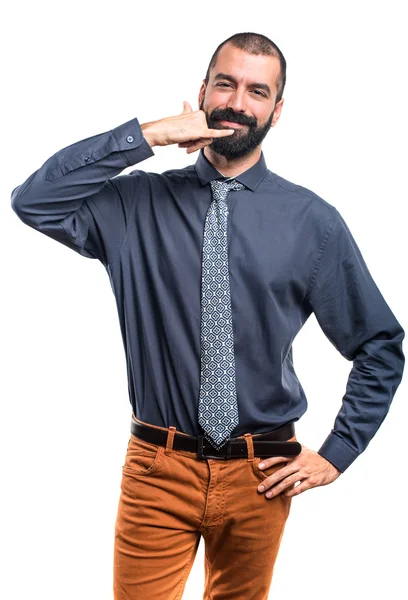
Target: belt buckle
[{"x": 201, "y": 450}]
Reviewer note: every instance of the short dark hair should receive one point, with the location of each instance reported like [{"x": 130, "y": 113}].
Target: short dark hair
[{"x": 254, "y": 43}]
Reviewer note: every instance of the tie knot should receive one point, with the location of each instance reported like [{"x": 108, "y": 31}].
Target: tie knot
[{"x": 220, "y": 189}]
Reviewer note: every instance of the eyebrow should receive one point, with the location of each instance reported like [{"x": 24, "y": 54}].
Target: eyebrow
[{"x": 262, "y": 86}]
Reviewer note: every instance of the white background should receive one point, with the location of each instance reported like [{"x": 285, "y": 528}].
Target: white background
[{"x": 74, "y": 70}]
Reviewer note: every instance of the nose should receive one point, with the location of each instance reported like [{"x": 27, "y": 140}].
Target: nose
[{"x": 237, "y": 100}]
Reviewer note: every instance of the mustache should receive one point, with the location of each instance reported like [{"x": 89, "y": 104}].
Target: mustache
[{"x": 226, "y": 114}]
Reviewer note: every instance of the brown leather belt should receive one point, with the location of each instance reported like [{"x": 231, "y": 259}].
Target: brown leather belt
[{"x": 272, "y": 443}]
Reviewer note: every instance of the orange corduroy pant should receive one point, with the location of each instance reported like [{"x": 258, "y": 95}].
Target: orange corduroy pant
[{"x": 170, "y": 498}]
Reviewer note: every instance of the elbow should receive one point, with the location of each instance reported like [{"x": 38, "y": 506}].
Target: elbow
[
  {"x": 400, "y": 349},
  {"x": 21, "y": 210},
  {"x": 16, "y": 203},
  {"x": 397, "y": 356},
  {"x": 384, "y": 351},
  {"x": 23, "y": 199},
  {"x": 19, "y": 205},
  {"x": 398, "y": 345}
]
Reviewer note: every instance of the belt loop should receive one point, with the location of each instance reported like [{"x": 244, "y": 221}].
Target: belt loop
[
  {"x": 250, "y": 446},
  {"x": 170, "y": 438}
]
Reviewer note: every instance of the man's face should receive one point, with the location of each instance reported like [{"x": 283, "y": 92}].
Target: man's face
[{"x": 240, "y": 95}]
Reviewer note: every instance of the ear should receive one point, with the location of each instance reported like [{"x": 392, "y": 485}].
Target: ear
[
  {"x": 277, "y": 112},
  {"x": 201, "y": 93}
]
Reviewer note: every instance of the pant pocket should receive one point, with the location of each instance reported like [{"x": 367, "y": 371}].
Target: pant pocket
[
  {"x": 262, "y": 474},
  {"x": 142, "y": 458}
]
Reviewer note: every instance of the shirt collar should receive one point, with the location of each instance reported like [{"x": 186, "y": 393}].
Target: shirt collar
[{"x": 251, "y": 178}]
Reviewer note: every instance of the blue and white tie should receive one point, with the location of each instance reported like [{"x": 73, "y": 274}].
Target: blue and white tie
[{"x": 217, "y": 407}]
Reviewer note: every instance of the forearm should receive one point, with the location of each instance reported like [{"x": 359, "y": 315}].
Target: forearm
[
  {"x": 355, "y": 317},
  {"x": 66, "y": 179},
  {"x": 376, "y": 374}
]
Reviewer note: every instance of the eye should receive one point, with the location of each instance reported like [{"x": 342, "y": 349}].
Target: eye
[
  {"x": 258, "y": 92},
  {"x": 220, "y": 84}
]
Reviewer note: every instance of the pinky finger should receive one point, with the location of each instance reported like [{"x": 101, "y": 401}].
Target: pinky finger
[
  {"x": 198, "y": 146},
  {"x": 193, "y": 149}
]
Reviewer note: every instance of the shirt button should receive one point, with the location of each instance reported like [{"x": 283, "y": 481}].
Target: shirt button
[
  {"x": 87, "y": 158},
  {"x": 129, "y": 139}
]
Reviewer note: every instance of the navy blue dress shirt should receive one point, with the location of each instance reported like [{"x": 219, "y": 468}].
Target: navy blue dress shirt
[{"x": 290, "y": 254}]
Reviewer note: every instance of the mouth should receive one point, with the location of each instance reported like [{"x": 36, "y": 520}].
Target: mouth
[{"x": 231, "y": 124}]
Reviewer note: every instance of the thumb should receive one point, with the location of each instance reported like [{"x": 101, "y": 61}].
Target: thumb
[{"x": 186, "y": 107}]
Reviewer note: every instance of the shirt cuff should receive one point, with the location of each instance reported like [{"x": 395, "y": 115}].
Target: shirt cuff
[
  {"x": 338, "y": 452},
  {"x": 131, "y": 142}
]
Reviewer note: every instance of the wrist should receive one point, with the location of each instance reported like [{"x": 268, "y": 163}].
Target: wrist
[{"x": 150, "y": 133}]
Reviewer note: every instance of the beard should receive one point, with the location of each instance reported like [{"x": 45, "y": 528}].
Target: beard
[{"x": 242, "y": 141}]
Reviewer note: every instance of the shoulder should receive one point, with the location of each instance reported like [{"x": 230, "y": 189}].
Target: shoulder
[{"x": 300, "y": 196}]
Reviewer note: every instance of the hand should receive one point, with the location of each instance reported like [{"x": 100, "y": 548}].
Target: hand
[
  {"x": 308, "y": 467},
  {"x": 188, "y": 130}
]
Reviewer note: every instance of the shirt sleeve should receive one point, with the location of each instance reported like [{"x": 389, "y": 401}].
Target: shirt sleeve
[
  {"x": 76, "y": 198},
  {"x": 354, "y": 316}
]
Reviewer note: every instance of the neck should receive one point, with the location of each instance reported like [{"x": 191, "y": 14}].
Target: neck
[{"x": 232, "y": 167}]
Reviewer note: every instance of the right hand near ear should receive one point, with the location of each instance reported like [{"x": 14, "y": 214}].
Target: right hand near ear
[{"x": 189, "y": 130}]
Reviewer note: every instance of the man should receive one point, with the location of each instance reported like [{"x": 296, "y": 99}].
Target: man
[{"x": 215, "y": 268}]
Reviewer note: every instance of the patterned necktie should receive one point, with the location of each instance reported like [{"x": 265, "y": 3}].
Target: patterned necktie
[{"x": 217, "y": 407}]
